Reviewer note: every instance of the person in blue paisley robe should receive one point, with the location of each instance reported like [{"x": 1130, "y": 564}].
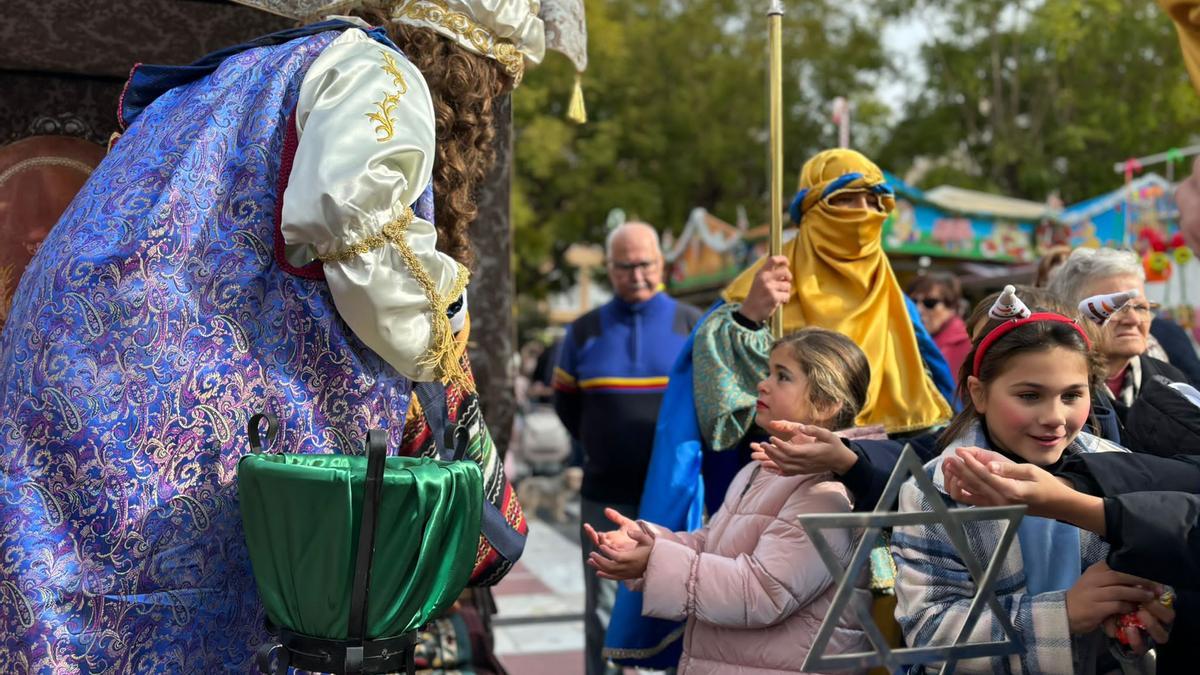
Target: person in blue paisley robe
[{"x": 260, "y": 237}]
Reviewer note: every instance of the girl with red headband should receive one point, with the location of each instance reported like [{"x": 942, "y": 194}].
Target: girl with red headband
[{"x": 1027, "y": 397}]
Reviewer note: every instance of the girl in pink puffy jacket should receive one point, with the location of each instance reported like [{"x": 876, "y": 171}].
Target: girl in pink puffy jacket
[{"x": 750, "y": 585}]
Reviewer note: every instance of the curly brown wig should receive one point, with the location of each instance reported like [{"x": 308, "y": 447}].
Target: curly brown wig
[{"x": 464, "y": 86}]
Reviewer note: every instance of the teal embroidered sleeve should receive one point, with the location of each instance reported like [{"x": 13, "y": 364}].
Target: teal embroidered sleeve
[{"x": 730, "y": 360}]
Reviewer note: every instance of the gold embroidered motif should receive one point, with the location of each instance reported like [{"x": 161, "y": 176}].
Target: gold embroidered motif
[
  {"x": 481, "y": 38},
  {"x": 386, "y": 124},
  {"x": 383, "y": 119},
  {"x": 442, "y": 355},
  {"x": 392, "y": 68}
]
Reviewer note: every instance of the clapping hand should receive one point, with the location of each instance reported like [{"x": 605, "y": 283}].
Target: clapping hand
[
  {"x": 620, "y": 564},
  {"x": 808, "y": 449},
  {"x": 620, "y": 539},
  {"x": 622, "y": 553}
]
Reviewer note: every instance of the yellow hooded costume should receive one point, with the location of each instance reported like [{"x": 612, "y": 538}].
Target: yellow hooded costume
[
  {"x": 842, "y": 281},
  {"x": 1186, "y": 15}
]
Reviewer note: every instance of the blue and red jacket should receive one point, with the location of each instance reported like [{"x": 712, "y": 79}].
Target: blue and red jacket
[{"x": 608, "y": 385}]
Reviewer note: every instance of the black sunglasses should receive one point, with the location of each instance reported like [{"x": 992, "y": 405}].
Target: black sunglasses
[{"x": 931, "y": 303}]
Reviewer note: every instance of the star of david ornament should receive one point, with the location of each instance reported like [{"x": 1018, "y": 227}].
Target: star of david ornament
[{"x": 872, "y": 524}]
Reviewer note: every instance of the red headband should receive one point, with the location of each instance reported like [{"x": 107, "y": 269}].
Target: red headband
[{"x": 1012, "y": 324}]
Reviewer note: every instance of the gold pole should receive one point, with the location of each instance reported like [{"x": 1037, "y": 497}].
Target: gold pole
[{"x": 775, "y": 46}]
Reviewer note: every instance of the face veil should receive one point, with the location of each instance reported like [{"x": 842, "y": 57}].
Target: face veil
[{"x": 844, "y": 282}]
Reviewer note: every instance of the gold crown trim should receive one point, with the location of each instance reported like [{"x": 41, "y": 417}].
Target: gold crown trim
[{"x": 482, "y": 39}]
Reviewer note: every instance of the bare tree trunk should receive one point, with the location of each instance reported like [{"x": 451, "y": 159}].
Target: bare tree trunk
[{"x": 490, "y": 294}]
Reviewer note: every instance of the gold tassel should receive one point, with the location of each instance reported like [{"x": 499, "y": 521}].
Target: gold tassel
[{"x": 576, "y": 112}]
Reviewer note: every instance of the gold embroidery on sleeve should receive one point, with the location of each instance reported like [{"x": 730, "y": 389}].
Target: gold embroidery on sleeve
[
  {"x": 385, "y": 123},
  {"x": 442, "y": 355},
  {"x": 392, "y": 68}
]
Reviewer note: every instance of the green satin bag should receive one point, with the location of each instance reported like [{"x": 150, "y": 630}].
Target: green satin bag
[{"x": 302, "y": 516}]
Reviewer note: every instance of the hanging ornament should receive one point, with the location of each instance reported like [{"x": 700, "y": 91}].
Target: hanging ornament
[
  {"x": 1151, "y": 239},
  {"x": 1158, "y": 266},
  {"x": 1132, "y": 166}
]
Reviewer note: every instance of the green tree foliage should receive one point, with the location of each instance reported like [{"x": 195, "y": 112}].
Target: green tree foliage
[
  {"x": 676, "y": 97},
  {"x": 1032, "y": 97},
  {"x": 1020, "y": 97}
]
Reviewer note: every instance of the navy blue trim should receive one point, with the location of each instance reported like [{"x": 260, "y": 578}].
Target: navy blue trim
[
  {"x": 509, "y": 543},
  {"x": 147, "y": 82},
  {"x": 796, "y": 208},
  {"x": 432, "y": 396}
]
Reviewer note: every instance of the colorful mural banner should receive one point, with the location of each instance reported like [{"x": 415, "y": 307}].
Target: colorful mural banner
[
  {"x": 1144, "y": 209},
  {"x": 920, "y": 227}
]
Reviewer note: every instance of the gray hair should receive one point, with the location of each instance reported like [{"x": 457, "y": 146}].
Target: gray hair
[
  {"x": 1085, "y": 265},
  {"x": 626, "y": 227}
]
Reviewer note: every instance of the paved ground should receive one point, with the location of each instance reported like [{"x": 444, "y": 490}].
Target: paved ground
[{"x": 539, "y": 627}]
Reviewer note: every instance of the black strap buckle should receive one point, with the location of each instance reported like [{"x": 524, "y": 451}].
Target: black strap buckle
[{"x": 256, "y": 444}]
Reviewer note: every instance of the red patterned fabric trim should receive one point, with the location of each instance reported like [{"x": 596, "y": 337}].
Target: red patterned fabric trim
[
  {"x": 121, "y": 100},
  {"x": 313, "y": 270}
]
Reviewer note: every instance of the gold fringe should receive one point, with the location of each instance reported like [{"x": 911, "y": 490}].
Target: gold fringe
[
  {"x": 112, "y": 140},
  {"x": 443, "y": 354},
  {"x": 576, "y": 112}
]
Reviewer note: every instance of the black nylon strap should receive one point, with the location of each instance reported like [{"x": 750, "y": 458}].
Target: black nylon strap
[{"x": 376, "y": 453}]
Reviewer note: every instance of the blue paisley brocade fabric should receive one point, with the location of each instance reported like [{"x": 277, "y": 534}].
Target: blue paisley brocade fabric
[{"x": 152, "y": 323}]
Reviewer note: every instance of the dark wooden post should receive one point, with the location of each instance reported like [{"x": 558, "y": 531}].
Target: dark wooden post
[{"x": 491, "y": 291}]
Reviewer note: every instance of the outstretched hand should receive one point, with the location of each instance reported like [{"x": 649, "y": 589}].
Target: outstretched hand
[
  {"x": 985, "y": 478},
  {"x": 807, "y": 449},
  {"x": 620, "y": 539},
  {"x": 621, "y": 564}
]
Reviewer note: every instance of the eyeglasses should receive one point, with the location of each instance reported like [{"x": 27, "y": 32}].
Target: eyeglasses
[
  {"x": 1142, "y": 310},
  {"x": 631, "y": 268},
  {"x": 931, "y": 303}
]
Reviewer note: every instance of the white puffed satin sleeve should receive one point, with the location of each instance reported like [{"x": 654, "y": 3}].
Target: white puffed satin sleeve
[{"x": 365, "y": 152}]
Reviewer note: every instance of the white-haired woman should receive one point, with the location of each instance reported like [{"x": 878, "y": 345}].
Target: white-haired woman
[{"x": 1126, "y": 335}]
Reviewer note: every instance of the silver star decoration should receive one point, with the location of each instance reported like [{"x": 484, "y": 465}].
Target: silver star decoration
[{"x": 872, "y": 524}]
